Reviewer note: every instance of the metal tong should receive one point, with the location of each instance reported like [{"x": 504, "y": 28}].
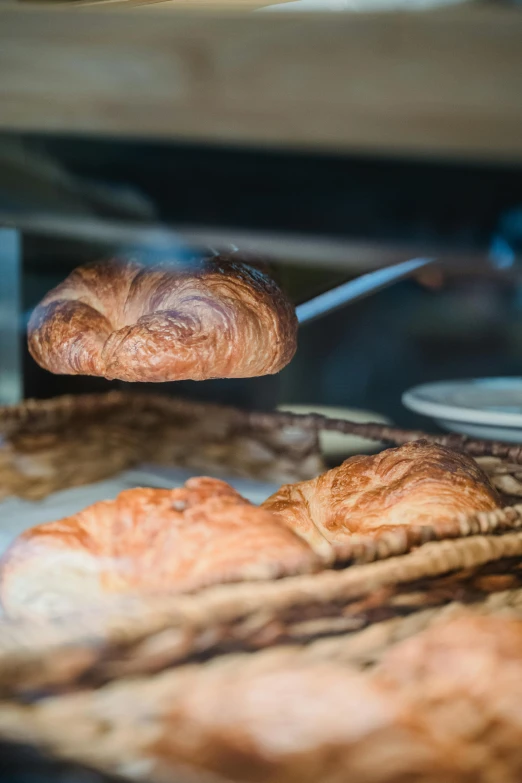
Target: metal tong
[{"x": 352, "y": 291}]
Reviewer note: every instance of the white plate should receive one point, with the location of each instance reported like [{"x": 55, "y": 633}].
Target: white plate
[
  {"x": 488, "y": 408},
  {"x": 335, "y": 444}
]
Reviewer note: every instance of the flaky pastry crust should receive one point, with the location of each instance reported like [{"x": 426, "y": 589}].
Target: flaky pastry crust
[
  {"x": 148, "y": 540},
  {"x": 418, "y": 483},
  {"x": 122, "y": 320}
]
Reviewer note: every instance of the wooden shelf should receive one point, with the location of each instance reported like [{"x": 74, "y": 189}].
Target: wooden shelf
[{"x": 444, "y": 84}]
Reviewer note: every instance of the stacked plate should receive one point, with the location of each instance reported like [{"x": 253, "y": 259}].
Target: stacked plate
[{"x": 488, "y": 408}]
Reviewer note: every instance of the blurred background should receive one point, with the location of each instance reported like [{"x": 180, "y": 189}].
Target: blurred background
[{"x": 441, "y": 169}]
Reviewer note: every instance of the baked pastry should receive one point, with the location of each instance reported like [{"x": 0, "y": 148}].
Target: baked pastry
[
  {"x": 269, "y": 718},
  {"x": 470, "y": 652},
  {"x": 120, "y": 319},
  {"x": 415, "y": 484},
  {"x": 444, "y": 707},
  {"x": 463, "y": 680},
  {"x": 148, "y": 540},
  {"x": 285, "y": 715}
]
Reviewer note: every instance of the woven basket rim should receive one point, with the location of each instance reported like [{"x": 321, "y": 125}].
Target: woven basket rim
[
  {"x": 65, "y": 406},
  {"x": 361, "y": 548}
]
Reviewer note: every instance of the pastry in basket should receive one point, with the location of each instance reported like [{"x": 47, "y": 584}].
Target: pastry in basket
[
  {"x": 269, "y": 718},
  {"x": 454, "y": 717},
  {"x": 148, "y": 540},
  {"x": 419, "y": 483},
  {"x": 468, "y": 653},
  {"x": 442, "y": 707},
  {"x": 119, "y": 319}
]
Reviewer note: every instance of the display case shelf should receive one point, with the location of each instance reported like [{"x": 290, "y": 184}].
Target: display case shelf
[
  {"x": 445, "y": 84},
  {"x": 347, "y": 139}
]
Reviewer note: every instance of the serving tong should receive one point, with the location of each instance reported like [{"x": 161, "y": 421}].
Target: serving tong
[{"x": 359, "y": 288}]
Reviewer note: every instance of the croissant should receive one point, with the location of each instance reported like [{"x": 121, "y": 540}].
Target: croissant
[
  {"x": 415, "y": 484},
  {"x": 122, "y": 320},
  {"x": 466, "y": 652},
  {"x": 148, "y": 540},
  {"x": 443, "y": 707}
]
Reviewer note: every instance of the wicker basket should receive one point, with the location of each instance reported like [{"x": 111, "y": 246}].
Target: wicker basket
[
  {"x": 380, "y": 591},
  {"x": 73, "y": 440}
]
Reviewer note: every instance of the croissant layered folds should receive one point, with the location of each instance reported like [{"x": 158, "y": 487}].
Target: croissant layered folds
[
  {"x": 122, "y": 320},
  {"x": 418, "y": 483},
  {"x": 206, "y": 533},
  {"x": 148, "y": 540}
]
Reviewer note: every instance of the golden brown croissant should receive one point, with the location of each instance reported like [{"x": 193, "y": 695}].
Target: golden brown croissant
[
  {"x": 418, "y": 483},
  {"x": 148, "y": 540},
  {"x": 216, "y": 319}
]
